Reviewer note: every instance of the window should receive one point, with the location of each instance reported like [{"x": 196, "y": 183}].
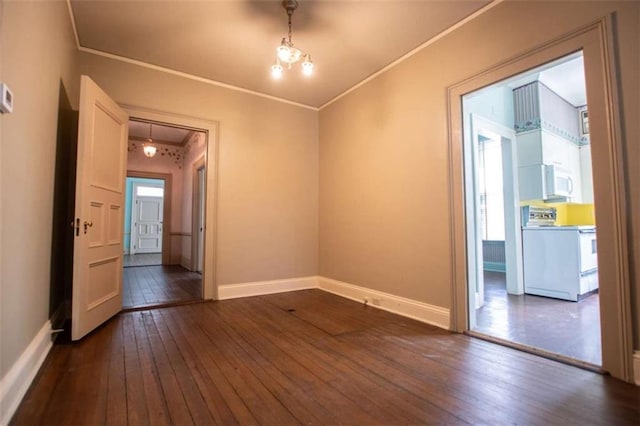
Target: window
[{"x": 149, "y": 191}]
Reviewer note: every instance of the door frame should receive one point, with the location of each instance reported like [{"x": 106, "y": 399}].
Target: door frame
[
  {"x": 200, "y": 163},
  {"x": 513, "y": 245},
  {"x": 211, "y": 129},
  {"x": 596, "y": 42},
  {"x": 164, "y": 209}
]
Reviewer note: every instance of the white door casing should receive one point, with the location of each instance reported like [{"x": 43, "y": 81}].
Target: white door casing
[
  {"x": 99, "y": 207},
  {"x": 596, "y": 42}
]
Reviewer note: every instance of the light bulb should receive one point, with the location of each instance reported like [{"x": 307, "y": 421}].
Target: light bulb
[
  {"x": 149, "y": 150},
  {"x": 283, "y": 51},
  {"x": 307, "y": 65},
  {"x": 276, "y": 70}
]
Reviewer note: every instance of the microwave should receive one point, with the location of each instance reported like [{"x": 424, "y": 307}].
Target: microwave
[
  {"x": 544, "y": 182},
  {"x": 558, "y": 182}
]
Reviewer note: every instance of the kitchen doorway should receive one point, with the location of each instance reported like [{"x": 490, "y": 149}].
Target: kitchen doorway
[
  {"x": 161, "y": 160},
  {"x": 530, "y": 221}
]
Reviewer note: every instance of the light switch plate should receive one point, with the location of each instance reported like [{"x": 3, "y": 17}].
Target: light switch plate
[{"x": 6, "y": 101}]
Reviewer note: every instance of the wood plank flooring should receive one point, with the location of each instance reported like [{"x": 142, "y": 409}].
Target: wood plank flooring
[
  {"x": 567, "y": 328},
  {"x": 307, "y": 357},
  {"x": 146, "y": 286}
]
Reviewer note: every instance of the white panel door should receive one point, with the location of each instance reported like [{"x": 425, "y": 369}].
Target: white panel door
[
  {"x": 100, "y": 187},
  {"x": 147, "y": 224}
]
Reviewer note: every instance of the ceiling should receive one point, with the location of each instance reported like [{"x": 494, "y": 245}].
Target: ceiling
[
  {"x": 564, "y": 76},
  {"x": 233, "y": 41}
]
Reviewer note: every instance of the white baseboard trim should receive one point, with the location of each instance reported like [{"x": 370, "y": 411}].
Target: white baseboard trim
[
  {"x": 423, "y": 312},
  {"x": 232, "y": 291},
  {"x": 636, "y": 367},
  {"x": 16, "y": 382}
]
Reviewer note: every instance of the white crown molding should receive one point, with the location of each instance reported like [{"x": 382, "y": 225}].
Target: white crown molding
[
  {"x": 72, "y": 18},
  {"x": 264, "y": 95},
  {"x": 16, "y": 382},
  {"x": 409, "y": 54},
  {"x": 192, "y": 77}
]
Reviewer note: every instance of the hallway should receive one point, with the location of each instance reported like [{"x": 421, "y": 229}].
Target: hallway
[{"x": 157, "y": 285}]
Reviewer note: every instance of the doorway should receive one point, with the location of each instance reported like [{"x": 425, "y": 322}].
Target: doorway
[
  {"x": 595, "y": 41},
  {"x": 530, "y": 213},
  {"x": 162, "y": 266},
  {"x": 143, "y": 224}
]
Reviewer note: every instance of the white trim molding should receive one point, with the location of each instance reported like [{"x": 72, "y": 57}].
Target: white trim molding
[
  {"x": 423, "y": 312},
  {"x": 16, "y": 382},
  {"x": 636, "y": 367},
  {"x": 233, "y": 291}
]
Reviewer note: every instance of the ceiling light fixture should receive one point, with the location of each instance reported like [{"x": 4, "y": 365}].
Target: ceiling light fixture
[
  {"x": 149, "y": 148},
  {"x": 287, "y": 53}
]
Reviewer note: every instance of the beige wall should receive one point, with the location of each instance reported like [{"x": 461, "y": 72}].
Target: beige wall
[
  {"x": 38, "y": 51},
  {"x": 384, "y": 221},
  {"x": 267, "y": 172}
]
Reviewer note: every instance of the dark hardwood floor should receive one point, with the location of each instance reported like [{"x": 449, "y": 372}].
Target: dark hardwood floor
[
  {"x": 308, "y": 357},
  {"x": 570, "y": 329},
  {"x": 146, "y": 286}
]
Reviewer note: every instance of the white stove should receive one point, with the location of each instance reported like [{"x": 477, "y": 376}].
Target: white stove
[{"x": 560, "y": 261}]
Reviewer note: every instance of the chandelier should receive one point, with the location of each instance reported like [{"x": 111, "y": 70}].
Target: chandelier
[
  {"x": 149, "y": 148},
  {"x": 287, "y": 53}
]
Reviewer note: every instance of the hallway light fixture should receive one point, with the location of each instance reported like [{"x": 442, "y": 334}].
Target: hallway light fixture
[
  {"x": 287, "y": 53},
  {"x": 149, "y": 148}
]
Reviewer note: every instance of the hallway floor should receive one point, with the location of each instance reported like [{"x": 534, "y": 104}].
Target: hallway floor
[
  {"x": 142, "y": 259},
  {"x": 567, "y": 328},
  {"x": 155, "y": 285}
]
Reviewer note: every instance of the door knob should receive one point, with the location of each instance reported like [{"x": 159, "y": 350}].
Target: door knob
[{"x": 87, "y": 225}]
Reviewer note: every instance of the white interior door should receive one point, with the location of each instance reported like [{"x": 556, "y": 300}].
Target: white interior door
[
  {"x": 147, "y": 224},
  {"x": 100, "y": 188}
]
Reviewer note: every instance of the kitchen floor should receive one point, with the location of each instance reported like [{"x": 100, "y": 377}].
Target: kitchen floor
[{"x": 567, "y": 328}]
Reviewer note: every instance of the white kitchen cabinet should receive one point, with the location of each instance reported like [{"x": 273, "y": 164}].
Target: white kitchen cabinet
[
  {"x": 586, "y": 174},
  {"x": 541, "y": 147}
]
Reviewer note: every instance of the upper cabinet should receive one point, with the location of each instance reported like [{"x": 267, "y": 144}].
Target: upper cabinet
[{"x": 548, "y": 133}]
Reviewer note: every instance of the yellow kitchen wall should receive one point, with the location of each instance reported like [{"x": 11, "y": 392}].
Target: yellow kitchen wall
[
  {"x": 385, "y": 194},
  {"x": 568, "y": 214}
]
